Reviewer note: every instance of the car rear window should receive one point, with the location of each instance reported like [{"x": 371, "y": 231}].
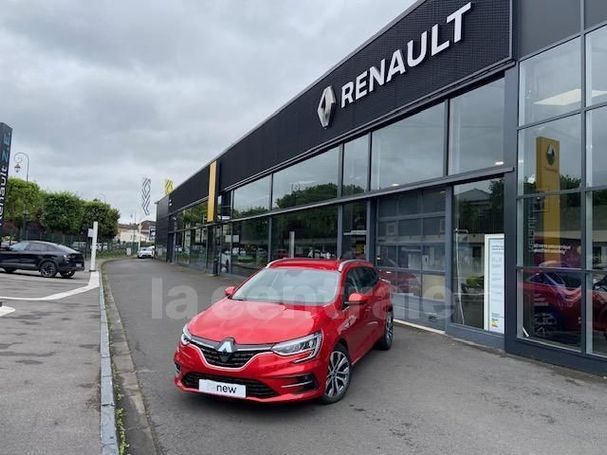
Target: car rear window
[{"x": 291, "y": 285}]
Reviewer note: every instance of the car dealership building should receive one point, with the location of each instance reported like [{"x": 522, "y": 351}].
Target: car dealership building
[{"x": 463, "y": 150}]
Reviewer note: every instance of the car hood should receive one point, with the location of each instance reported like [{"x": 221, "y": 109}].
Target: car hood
[{"x": 255, "y": 322}]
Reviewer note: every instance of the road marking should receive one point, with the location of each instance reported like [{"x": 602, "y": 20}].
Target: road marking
[
  {"x": 93, "y": 284},
  {"x": 4, "y": 310}
]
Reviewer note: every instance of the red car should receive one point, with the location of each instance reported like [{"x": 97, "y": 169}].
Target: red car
[{"x": 291, "y": 332}]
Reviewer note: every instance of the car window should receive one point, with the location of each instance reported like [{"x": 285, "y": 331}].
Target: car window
[
  {"x": 37, "y": 247},
  {"x": 21, "y": 246},
  {"x": 352, "y": 283}
]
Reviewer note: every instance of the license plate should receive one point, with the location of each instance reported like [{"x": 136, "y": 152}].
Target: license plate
[{"x": 222, "y": 388}]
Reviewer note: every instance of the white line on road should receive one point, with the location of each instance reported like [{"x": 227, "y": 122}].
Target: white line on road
[
  {"x": 4, "y": 310},
  {"x": 93, "y": 284}
]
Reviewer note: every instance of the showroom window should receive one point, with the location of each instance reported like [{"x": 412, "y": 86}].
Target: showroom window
[
  {"x": 596, "y": 147},
  {"x": 310, "y": 181},
  {"x": 551, "y": 83},
  {"x": 411, "y": 254},
  {"x": 252, "y": 199},
  {"x": 356, "y": 166},
  {"x": 309, "y": 233},
  {"x": 550, "y": 156},
  {"x": 354, "y": 244},
  {"x": 596, "y": 74},
  {"x": 248, "y": 250},
  {"x": 476, "y": 129},
  {"x": 410, "y": 150},
  {"x": 478, "y": 251}
]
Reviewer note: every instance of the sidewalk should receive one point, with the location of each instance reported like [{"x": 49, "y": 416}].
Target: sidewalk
[{"x": 49, "y": 370}]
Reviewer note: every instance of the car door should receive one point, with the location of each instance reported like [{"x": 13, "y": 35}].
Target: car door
[
  {"x": 12, "y": 257},
  {"x": 33, "y": 254},
  {"x": 371, "y": 312},
  {"x": 355, "y": 320}
]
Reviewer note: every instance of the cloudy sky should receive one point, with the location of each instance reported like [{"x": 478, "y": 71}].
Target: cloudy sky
[{"x": 101, "y": 94}]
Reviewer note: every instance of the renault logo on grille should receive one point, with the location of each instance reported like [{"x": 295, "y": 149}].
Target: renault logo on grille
[
  {"x": 326, "y": 106},
  {"x": 226, "y": 349}
]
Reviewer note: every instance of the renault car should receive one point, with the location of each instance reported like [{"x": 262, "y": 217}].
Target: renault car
[{"x": 291, "y": 332}]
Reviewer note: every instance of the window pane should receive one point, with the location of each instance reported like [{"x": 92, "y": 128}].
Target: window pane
[
  {"x": 551, "y": 231},
  {"x": 552, "y": 306},
  {"x": 479, "y": 210},
  {"x": 312, "y": 180},
  {"x": 599, "y": 314},
  {"x": 355, "y": 231},
  {"x": 596, "y": 60},
  {"x": 356, "y": 166},
  {"x": 409, "y": 151},
  {"x": 252, "y": 199},
  {"x": 551, "y": 83},
  {"x": 596, "y": 147},
  {"x": 434, "y": 201},
  {"x": 477, "y": 129},
  {"x": 313, "y": 234},
  {"x": 409, "y": 257},
  {"x": 249, "y": 247},
  {"x": 550, "y": 156},
  {"x": 599, "y": 230},
  {"x": 434, "y": 258}
]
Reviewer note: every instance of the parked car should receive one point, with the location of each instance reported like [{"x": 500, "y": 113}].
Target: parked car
[
  {"x": 291, "y": 332},
  {"x": 48, "y": 258},
  {"x": 145, "y": 253}
]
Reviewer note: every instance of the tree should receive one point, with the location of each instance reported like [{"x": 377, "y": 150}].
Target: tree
[
  {"x": 22, "y": 197},
  {"x": 104, "y": 214},
  {"x": 62, "y": 212}
]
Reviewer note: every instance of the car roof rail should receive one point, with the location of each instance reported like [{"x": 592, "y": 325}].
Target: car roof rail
[{"x": 346, "y": 262}]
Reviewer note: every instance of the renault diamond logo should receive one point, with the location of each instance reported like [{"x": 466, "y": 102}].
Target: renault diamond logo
[
  {"x": 326, "y": 107},
  {"x": 226, "y": 349}
]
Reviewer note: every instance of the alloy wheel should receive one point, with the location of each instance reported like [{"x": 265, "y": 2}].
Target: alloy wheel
[
  {"x": 48, "y": 270},
  {"x": 338, "y": 376}
]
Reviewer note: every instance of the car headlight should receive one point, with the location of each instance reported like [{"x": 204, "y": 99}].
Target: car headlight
[
  {"x": 186, "y": 337},
  {"x": 310, "y": 344}
]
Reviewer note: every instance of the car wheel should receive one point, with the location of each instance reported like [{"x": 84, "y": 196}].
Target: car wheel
[
  {"x": 9, "y": 270},
  {"x": 48, "y": 269},
  {"x": 338, "y": 375},
  {"x": 385, "y": 342},
  {"x": 68, "y": 274}
]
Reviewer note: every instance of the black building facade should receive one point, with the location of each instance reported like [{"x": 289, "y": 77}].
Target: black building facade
[{"x": 462, "y": 150}]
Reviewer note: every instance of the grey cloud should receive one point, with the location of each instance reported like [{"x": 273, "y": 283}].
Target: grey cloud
[{"x": 102, "y": 93}]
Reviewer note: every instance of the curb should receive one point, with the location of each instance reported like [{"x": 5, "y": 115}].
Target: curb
[
  {"x": 109, "y": 440},
  {"x": 137, "y": 427}
]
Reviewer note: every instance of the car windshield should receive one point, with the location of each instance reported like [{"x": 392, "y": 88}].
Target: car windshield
[{"x": 291, "y": 285}]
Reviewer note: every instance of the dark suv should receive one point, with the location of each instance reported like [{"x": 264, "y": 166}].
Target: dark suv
[{"x": 48, "y": 258}]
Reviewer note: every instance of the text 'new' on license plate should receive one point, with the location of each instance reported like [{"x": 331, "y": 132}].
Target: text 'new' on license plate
[{"x": 222, "y": 388}]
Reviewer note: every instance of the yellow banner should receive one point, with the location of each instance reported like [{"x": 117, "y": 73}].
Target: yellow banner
[{"x": 168, "y": 186}]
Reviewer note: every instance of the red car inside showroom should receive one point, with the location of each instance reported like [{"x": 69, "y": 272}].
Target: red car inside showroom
[{"x": 291, "y": 332}]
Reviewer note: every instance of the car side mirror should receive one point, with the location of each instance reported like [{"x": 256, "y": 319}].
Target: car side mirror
[
  {"x": 357, "y": 299},
  {"x": 229, "y": 292}
]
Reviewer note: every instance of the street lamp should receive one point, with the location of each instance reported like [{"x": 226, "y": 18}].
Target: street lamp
[{"x": 18, "y": 164}]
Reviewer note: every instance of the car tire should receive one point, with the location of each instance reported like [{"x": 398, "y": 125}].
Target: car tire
[
  {"x": 9, "y": 270},
  {"x": 48, "y": 269},
  {"x": 339, "y": 375},
  {"x": 385, "y": 342},
  {"x": 68, "y": 274}
]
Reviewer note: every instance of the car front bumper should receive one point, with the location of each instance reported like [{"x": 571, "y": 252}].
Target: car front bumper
[{"x": 269, "y": 378}]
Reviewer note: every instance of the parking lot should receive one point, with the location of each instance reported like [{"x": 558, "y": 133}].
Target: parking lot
[
  {"x": 429, "y": 394},
  {"x": 49, "y": 364}
]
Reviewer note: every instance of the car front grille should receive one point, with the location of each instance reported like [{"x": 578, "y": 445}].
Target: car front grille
[
  {"x": 255, "y": 389},
  {"x": 236, "y": 360}
]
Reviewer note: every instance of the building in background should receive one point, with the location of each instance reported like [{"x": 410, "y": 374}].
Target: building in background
[
  {"x": 145, "y": 232},
  {"x": 462, "y": 151}
]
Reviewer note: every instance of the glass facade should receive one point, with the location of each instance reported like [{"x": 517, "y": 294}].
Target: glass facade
[
  {"x": 248, "y": 250},
  {"x": 356, "y": 166},
  {"x": 251, "y": 199},
  {"x": 479, "y": 211},
  {"x": 476, "y": 128},
  {"x": 312, "y": 180},
  {"x": 562, "y": 208},
  {"x": 354, "y": 243},
  {"x": 418, "y": 139},
  {"x": 309, "y": 233},
  {"x": 411, "y": 254}
]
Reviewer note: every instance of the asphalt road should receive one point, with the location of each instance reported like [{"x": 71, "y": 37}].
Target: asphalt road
[
  {"x": 49, "y": 368},
  {"x": 428, "y": 395}
]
